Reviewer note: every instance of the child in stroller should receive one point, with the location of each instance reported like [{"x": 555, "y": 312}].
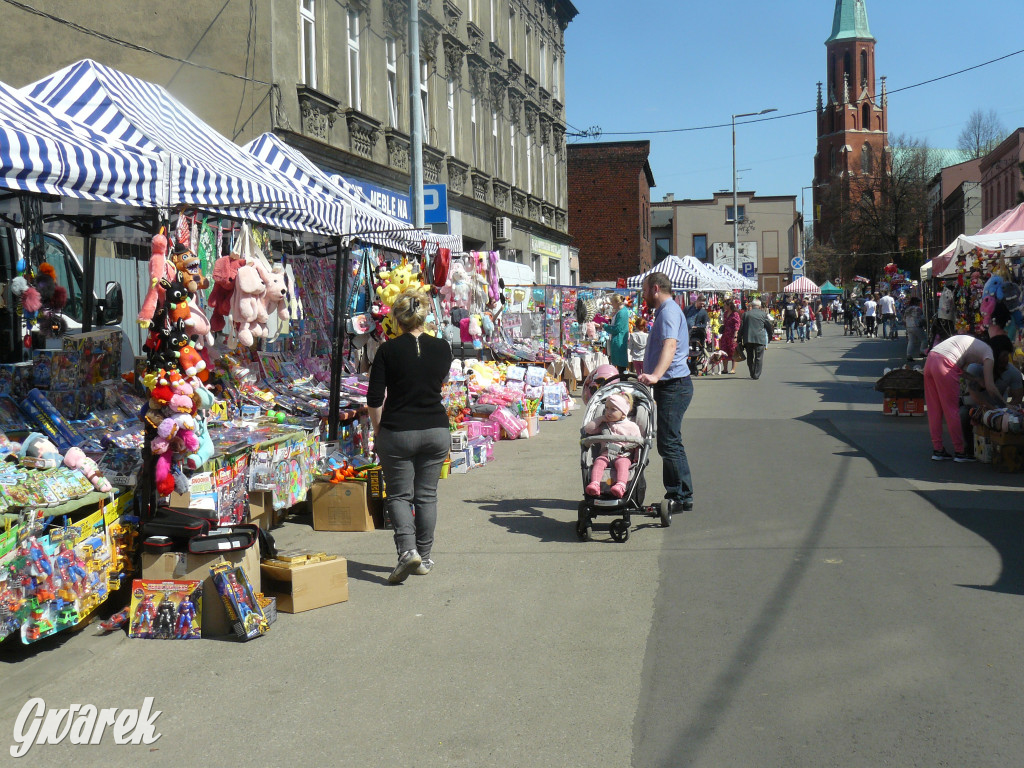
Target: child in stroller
[
  {"x": 697, "y": 358},
  {"x": 614, "y": 420}
]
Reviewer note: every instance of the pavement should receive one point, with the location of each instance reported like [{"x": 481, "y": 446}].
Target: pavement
[{"x": 835, "y": 598}]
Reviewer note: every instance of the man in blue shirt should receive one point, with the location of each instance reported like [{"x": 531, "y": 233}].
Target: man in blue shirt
[{"x": 666, "y": 371}]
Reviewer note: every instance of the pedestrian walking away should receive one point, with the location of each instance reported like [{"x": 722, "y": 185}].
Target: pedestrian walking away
[
  {"x": 618, "y": 334},
  {"x": 887, "y": 309},
  {"x": 789, "y": 318},
  {"x": 666, "y": 371},
  {"x": 755, "y": 333},
  {"x": 870, "y": 308},
  {"x": 730, "y": 327},
  {"x": 917, "y": 335},
  {"x": 942, "y": 370},
  {"x": 411, "y": 430}
]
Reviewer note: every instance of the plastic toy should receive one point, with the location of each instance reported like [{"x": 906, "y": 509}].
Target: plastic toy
[
  {"x": 76, "y": 459},
  {"x": 186, "y": 616}
]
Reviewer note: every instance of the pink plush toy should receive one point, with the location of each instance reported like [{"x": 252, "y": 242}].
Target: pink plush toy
[
  {"x": 76, "y": 459},
  {"x": 225, "y": 271},
  {"x": 164, "y": 479},
  {"x": 493, "y": 290},
  {"x": 276, "y": 297},
  {"x": 159, "y": 269},
  {"x": 246, "y": 304}
]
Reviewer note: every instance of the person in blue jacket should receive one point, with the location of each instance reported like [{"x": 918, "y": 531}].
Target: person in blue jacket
[{"x": 618, "y": 330}]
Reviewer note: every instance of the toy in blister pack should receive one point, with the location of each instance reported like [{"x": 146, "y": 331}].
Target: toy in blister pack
[
  {"x": 166, "y": 610},
  {"x": 240, "y": 602}
]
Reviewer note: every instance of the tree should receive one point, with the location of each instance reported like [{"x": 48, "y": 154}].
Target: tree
[
  {"x": 823, "y": 263},
  {"x": 981, "y": 134}
]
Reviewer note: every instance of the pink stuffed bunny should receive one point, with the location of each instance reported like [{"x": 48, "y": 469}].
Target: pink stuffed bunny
[
  {"x": 246, "y": 304},
  {"x": 276, "y": 297},
  {"x": 76, "y": 459}
]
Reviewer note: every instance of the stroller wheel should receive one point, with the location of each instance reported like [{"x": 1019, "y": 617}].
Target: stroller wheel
[
  {"x": 584, "y": 525},
  {"x": 665, "y": 515},
  {"x": 620, "y": 531}
]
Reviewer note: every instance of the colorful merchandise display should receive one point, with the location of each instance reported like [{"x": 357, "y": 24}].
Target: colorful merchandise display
[{"x": 166, "y": 610}]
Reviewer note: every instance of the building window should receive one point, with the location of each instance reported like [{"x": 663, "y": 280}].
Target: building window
[
  {"x": 494, "y": 21},
  {"x": 537, "y": 276},
  {"x": 662, "y": 248},
  {"x": 424, "y": 99},
  {"x": 474, "y": 130},
  {"x": 729, "y": 214},
  {"x": 307, "y": 41},
  {"x": 353, "y": 61},
  {"x": 471, "y": 10},
  {"x": 392, "y": 62},
  {"x": 512, "y": 153},
  {"x": 527, "y": 49},
  {"x": 529, "y": 163},
  {"x": 867, "y": 165},
  {"x": 543, "y": 73},
  {"x": 864, "y": 68},
  {"x": 511, "y": 33},
  {"x": 700, "y": 245},
  {"x": 543, "y": 151},
  {"x": 495, "y": 145},
  {"x": 553, "y": 266},
  {"x": 866, "y": 117},
  {"x": 557, "y": 194},
  {"x": 832, "y": 166},
  {"x": 847, "y": 69},
  {"x": 556, "y": 76},
  {"x": 451, "y": 117}
]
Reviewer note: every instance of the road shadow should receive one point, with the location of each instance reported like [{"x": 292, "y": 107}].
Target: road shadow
[
  {"x": 367, "y": 572},
  {"x": 529, "y": 517},
  {"x": 975, "y": 496},
  {"x": 856, "y": 392}
]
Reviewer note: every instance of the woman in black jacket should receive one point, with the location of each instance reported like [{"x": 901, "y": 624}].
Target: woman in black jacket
[{"x": 411, "y": 428}]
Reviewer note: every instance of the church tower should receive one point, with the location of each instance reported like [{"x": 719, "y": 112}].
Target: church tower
[{"x": 852, "y": 121}]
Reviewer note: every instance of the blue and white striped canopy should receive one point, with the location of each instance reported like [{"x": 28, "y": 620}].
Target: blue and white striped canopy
[
  {"x": 682, "y": 278},
  {"x": 42, "y": 152},
  {"x": 368, "y": 222},
  {"x": 205, "y": 169}
]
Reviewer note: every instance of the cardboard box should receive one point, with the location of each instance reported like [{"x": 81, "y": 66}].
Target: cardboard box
[
  {"x": 183, "y": 566},
  {"x": 982, "y": 445},
  {"x": 903, "y": 406},
  {"x": 307, "y": 586},
  {"x": 341, "y": 507},
  {"x": 461, "y": 462},
  {"x": 460, "y": 440},
  {"x": 261, "y": 509}
]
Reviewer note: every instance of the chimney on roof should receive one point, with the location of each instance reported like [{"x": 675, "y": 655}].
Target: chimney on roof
[{"x": 669, "y": 198}]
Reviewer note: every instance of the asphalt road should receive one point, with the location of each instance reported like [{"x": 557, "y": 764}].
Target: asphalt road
[{"x": 834, "y": 599}]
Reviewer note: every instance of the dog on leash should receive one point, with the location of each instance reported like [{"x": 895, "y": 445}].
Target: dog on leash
[{"x": 716, "y": 362}]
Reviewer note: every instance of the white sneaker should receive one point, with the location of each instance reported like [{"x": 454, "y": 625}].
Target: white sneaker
[
  {"x": 407, "y": 562},
  {"x": 424, "y": 567}
]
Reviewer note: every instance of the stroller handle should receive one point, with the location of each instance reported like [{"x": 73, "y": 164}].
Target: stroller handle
[{"x": 630, "y": 377}]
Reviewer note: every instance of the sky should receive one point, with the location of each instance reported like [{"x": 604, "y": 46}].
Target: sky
[{"x": 663, "y": 64}]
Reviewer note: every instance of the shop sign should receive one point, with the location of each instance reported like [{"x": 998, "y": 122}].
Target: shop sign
[
  {"x": 548, "y": 248},
  {"x": 392, "y": 203}
]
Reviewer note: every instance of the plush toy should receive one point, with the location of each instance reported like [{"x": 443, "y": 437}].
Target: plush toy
[
  {"x": 458, "y": 289},
  {"x": 204, "y": 450},
  {"x": 158, "y": 270},
  {"x": 475, "y": 331},
  {"x": 245, "y": 304},
  {"x": 176, "y": 300},
  {"x": 225, "y": 271},
  {"x": 31, "y": 303},
  {"x": 37, "y": 451},
  {"x": 164, "y": 479},
  {"x": 493, "y": 289},
  {"x": 276, "y": 297},
  {"x": 189, "y": 269},
  {"x": 201, "y": 326},
  {"x": 464, "y": 335},
  {"x": 76, "y": 459}
]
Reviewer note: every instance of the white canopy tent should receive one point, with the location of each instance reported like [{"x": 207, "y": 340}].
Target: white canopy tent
[{"x": 1010, "y": 242}]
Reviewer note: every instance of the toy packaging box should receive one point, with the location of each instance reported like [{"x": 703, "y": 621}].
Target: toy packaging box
[
  {"x": 169, "y": 610},
  {"x": 244, "y": 612}
]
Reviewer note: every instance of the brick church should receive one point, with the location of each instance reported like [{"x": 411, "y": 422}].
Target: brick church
[{"x": 853, "y": 123}]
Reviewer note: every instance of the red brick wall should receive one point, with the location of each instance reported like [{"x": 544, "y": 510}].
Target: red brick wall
[{"x": 609, "y": 208}]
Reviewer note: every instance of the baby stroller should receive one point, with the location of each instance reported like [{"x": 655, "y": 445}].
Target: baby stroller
[
  {"x": 697, "y": 358},
  {"x": 632, "y": 501}
]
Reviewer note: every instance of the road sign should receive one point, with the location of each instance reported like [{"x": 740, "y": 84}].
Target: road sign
[
  {"x": 797, "y": 263},
  {"x": 435, "y": 203}
]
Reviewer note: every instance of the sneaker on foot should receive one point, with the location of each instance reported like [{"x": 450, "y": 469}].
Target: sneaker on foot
[
  {"x": 424, "y": 567},
  {"x": 407, "y": 562},
  {"x": 942, "y": 455},
  {"x": 963, "y": 458}
]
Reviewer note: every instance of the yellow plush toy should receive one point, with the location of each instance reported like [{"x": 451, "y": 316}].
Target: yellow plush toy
[{"x": 394, "y": 283}]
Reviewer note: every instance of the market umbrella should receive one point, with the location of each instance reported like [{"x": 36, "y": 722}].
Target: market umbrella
[
  {"x": 827, "y": 289},
  {"x": 682, "y": 278},
  {"x": 802, "y": 285}
]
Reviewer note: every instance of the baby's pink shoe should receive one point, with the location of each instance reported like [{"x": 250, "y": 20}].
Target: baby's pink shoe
[
  {"x": 594, "y": 489},
  {"x": 619, "y": 490}
]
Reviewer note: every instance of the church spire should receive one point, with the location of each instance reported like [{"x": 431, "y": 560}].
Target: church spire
[{"x": 850, "y": 21}]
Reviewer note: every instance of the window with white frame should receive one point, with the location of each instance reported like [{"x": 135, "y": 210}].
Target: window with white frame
[
  {"x": 529, "y": 162},
  {"x": 553, "y": 269},
  {"x": 543, "y": 73},
  {"x": 512, "y": 153},
  {"x": 474, "y": 130},
  {"x": 307, "y": 41},
  {"x": 494, "y": 21},
  {"x": 354, "y": 89},
  {"x": 451, "y": 117},
  {"x": 556, "y": 75},
  {"x": 392, "y": 62},
  {"x": 543, "y": 151},
  {"x": 557, "y": 185},
  {"x": 471, "y": 10},
  {"x": 495, "y": 145},
  {"x": 425, "y": 99}
]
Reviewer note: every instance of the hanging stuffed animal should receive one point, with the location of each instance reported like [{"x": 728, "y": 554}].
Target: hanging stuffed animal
[
  {"x": 158, "y": 270},
  {"x": 189, "y": 268},
  {"x": 493, "y": 289},
  {"x": 225, "y": 271},
  {"x": 245, "y": 304}
]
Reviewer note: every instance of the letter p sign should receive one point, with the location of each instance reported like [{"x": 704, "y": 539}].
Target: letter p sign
[{"x": 435, "y": 204}]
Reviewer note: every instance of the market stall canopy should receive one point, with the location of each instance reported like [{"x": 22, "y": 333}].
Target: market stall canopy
[
  {"x": 44, "y": 153},
  {"x": 1011, "y": 220},
  {"x": 369, "y": 223},
  {"x": 827, "y": 289},
  {"x": 672, "y": 266},
  {"x": 737, "y": 281},
  {"x": 802, "y": 285},
  {"x": 205, "y": 170},
  {"x": 707, "y": 278},
  {"x": 1000, "y": 241}
]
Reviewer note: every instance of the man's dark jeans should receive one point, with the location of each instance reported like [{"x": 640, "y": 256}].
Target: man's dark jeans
[
  {"x": 755, "y": 359},
  {"x": 673, "y": 398}
]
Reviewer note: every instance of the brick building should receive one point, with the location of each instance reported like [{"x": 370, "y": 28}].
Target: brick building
[
  {"x": 853, "y": 122},
  {"x": 1001, "y": 176},
  {"x": 952, "y": 200},
  {"x": 609, "y": 203}
]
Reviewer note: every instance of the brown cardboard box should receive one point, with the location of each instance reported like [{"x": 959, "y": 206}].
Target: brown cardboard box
[
  {"x": 261, "y": 509},
  {"x": 341, "y": 507},
  {"x": 307, "y": 586},
  {"x": 184, "y": 566}
]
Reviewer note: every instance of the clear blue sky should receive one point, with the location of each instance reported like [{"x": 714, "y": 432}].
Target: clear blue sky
[{"x": 657, "y": 64}]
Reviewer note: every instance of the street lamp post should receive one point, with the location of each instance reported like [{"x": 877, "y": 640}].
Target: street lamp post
[{"x": 735, "y": 207}]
